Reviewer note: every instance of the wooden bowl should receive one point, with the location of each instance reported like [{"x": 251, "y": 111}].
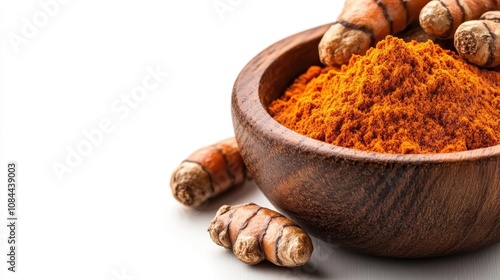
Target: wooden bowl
[{"x": 406, "y": 206}]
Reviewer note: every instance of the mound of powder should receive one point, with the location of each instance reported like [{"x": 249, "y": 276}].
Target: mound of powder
[{"x": 399, "y": 98}]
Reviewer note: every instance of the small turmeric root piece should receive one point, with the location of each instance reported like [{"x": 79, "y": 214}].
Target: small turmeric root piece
[
  {"x": 362, "y": 23},
  {"x": 208, "y": 172},
  {"x": 256, "y": 233},
  {"x": 441, "y": 18},
  {"x": 478, "y": 42}
]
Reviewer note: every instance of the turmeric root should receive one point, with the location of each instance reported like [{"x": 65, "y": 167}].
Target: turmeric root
[
  {"x": 478, "y": 42},
  {"x": 441, "y": 18},
  {"x": 362, "y": 23},
  {"x": 208, "y": 172},
  {"x": 256, "y": 233}
]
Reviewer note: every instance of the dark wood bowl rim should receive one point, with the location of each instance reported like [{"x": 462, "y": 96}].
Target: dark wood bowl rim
[{"x": 290, "y": 138}]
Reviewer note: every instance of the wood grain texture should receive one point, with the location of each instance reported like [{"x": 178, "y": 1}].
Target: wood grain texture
[{"x": 406, "y": 206}]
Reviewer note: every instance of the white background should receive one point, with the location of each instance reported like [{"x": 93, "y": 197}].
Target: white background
[{"x": 111, "y": 214}]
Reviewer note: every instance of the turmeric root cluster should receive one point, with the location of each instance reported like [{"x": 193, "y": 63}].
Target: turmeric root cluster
[
  {"x": 362, "y": 23},
  {"x": 256, "y": 233},
  {"x": 252, "y": 232}
]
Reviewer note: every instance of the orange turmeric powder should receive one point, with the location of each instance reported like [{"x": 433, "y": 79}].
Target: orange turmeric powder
[{"x": 399, "y": 98}]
